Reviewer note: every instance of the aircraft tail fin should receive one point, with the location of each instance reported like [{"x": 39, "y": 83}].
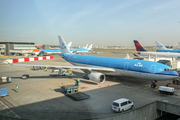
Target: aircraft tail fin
[
  {"x": 69, "y": 45},
  {"x": 160, "y": 46},
  {"x": 127, "y": 56},
  {"x": 138, "y": 46},
  {"x": 64, "y": 48},
  {"x": 86, "y": 46},
  {"x": 90, "y": 47}
]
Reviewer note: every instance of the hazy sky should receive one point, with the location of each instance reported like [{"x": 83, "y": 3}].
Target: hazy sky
[{"x": 100, "y": 22}]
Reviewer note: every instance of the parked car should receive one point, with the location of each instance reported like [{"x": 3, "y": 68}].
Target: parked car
[{"x": 122, "y": 105}]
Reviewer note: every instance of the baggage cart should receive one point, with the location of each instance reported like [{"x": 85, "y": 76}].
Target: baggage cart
[{"x": 3, "y": 92}]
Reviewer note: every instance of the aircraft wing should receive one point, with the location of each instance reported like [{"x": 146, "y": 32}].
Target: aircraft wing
[{"x": 71, "y": 67}]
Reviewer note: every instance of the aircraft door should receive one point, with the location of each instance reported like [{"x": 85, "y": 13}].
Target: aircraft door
[
  {"x": 126, "y": 66},
  {"x": 153, "y": 69},
  {"x": 87, "y": 61}
]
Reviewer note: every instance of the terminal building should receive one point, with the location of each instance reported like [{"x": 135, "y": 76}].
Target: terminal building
[{"x": 9, "y": 48}]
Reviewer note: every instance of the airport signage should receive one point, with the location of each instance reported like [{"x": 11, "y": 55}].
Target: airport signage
[{"x": 2, "y": 45}]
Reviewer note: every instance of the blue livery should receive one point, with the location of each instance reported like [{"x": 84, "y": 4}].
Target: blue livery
[
  {"x": 117, "y": 66},
  {"x": 168, "y": 50},
  {"x": 123, "y": 64}
]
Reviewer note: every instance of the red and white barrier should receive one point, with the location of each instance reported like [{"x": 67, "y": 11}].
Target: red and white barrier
[{"x": 28, "y": 59}]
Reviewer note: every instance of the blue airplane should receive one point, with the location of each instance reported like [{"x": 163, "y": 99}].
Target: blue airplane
[
  {"x": 162, "y": 48},
  {"x": 82, "y": 50},
  {"x": 143, "y": 53},
  {"x": 96, "y": 68},
  {"x": 77, "y": 50}
]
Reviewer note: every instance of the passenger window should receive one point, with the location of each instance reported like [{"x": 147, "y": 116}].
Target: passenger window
[
  {"x": 115, "y": 104},
  {"x": 124, "y": 103},
  {"x": 129, "y": 102}
]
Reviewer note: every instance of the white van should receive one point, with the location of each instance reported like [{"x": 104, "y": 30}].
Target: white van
[{"x": 122, "y": 105}]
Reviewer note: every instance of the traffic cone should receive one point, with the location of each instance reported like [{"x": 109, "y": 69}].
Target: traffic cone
[
  {"x": 100, "y": 85},
  {"x": 108, "y": 84}
]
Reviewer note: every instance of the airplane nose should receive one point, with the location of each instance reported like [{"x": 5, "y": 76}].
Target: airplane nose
[{"x": 176, "y": 73}]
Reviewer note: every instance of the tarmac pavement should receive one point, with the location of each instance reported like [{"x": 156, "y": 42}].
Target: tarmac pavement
[{"x": 40, "y": 96}]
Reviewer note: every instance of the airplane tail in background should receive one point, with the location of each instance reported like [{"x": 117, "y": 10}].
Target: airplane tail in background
[
  {"x": 69, "y": 45},
  {"x": 90, "y": 47},
  {"x": 86, "y": 46},
  {"x": 64, "y": 48},
  {"x": 160, "y": 46},
  {"x": 127, "y": 56},
  {"x": 138, "y": 46},
  {"x": 179, "y": 44}
]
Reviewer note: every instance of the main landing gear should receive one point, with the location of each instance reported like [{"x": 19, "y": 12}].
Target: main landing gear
[
  {"x": 176, "y": 82},
  {"x": 153, "y": 84}
]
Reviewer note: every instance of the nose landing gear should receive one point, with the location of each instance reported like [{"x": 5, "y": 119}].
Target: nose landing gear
[{"x": 153, "y": 84}]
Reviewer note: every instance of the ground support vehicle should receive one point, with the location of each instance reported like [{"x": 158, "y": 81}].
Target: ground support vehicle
[
  {"x": 166, "y": 90},
  {"x": 122, "y": 105},
  {"x": 5, "y": 80},
  {"x": 73, "y": 91},
  {"x": 25, "y": 76},
  {"x": 66, "y": 89},
  {"x": 64, "y": 73},
  {"x": 36, "y": 67}
]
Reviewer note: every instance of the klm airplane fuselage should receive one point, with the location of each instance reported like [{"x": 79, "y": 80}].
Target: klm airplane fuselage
[
  {"x": 50, "y": 51},
  {"x": 125, "y": 67},
  {"x": 80, "y": 50},
  {"x": 166, "y": 50}
]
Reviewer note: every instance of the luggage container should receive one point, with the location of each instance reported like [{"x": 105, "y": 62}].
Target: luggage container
[
  {"x": 166, "y": 90},
  {"x": 36, "y": 67},
  {"x": 3, "y": 92}
]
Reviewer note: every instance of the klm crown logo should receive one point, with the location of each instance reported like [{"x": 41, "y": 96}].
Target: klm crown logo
[
  {"x": 63, "y": 46},
  {"x": 159, "y": 46}
]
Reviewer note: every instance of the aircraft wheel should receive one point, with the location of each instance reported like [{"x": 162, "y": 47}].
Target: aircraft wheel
[
  {"x": 174, "y": 81},
  {"x": 153, "y": 85},
  {"x": 177, "y": 82}
]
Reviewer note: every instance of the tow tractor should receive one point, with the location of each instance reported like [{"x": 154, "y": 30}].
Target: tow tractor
[
  {"x": 66, "y": 72},
  {"x": 25, "y": 76}
]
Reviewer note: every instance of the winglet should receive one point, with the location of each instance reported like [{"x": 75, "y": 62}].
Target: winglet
[
  {"x": 160, "y": 46},
  {"x": 90, "y": 47},
  {"x": 138, "y": 46},
  {"x": 64, "y": 48}
]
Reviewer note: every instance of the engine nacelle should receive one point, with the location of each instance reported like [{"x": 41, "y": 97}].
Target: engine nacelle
[{"x": 97, "y": 77}]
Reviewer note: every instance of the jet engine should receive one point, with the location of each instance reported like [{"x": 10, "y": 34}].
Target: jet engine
[{"x": 97, "y": 77}]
